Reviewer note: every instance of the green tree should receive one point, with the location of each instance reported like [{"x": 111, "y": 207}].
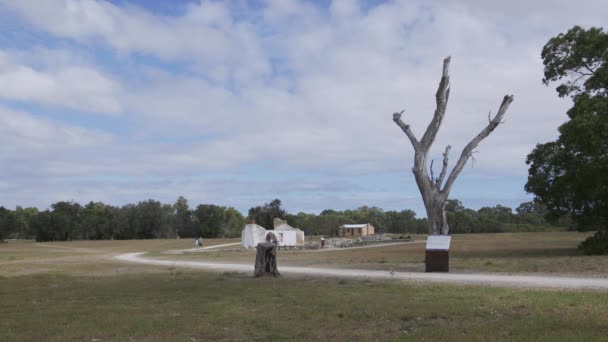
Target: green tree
[
  {"x": 148, "y": 220},
  {"x": 461, "y": 219},
  {"x": 265, "y": 215},
  {"x": 328, "y": 224},
  {"x": 168, "y": 229},
  {"x": 7, "y": 222},
  {"x": 123, "y": 222},
  {"x": 400, "y": 222},
  {"x": 96, "y": 221},
  {"x": 183, "y": 218},
  {"x": 568, "y": 175},
  {"x": 66, "y": 221},
  {"x": 372, "y": 215},
  {"x": 233, "y": 223},
  {"x": 23, "y": 219},
  {"x": 211, "y": 219},
  {"x": 305, "y": 221},
  {"x": 42, "y": 226}
]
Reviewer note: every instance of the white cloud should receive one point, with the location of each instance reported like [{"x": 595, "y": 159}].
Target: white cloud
[
  {"x": 293, "y": 86},
  {"x": 29, "y": 145},
  {"x": 76, "y": 87},
  {"x": 206, "y": 35},
  {"x": 22, "y": 133}
]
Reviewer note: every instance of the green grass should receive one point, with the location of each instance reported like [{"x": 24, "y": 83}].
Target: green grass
[
  {"x": 186, "y": 305},
  {"x": 74, "y": 291}
]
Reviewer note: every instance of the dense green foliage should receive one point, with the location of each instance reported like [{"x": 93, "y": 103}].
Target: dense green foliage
[
  {"x": 328, "y": 221},
  {"x": 150, "y": 219},
  {"x": 597, "y": 244},
  {"x": 499, "y": 219},
  {"x": 569, "y": 175},
  {"x": 6, "y": 221},
  {"x": 96, "y": 221},
  {"x": 529, "y": 217},
  {"x": 265, "y": 215}
]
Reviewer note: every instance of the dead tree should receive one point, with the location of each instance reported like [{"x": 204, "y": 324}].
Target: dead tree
[
  {"x": 266, "y": 260},
  {"x": 433, "y": 189}
]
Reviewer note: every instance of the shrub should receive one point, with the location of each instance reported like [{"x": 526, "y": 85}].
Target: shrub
[{"x": 596, "y": 244}]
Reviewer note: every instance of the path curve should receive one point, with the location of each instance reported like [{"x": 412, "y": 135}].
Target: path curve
[
  {"x": 179, "y": 251},
  {"x": 523, "y": 281}
]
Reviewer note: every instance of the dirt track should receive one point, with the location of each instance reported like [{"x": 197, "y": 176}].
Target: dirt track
[{"x": 522, "y": 281}]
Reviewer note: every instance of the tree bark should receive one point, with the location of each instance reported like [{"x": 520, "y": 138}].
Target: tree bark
[
  {"x": 266, "y": 260},
  {"x": 434, "y": 192}
]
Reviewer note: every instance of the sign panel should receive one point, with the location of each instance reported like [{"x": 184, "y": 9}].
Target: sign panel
[{"x": 438, "y": 242}]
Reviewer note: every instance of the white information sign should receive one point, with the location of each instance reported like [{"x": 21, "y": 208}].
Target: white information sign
[{"x": 438, "y": 242}]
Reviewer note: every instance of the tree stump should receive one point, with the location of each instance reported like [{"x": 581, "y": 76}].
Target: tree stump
[{"x": 266, "y": 260}]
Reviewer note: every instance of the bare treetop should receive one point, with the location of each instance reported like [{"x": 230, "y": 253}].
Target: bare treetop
[{"x": 434, "y": 191}]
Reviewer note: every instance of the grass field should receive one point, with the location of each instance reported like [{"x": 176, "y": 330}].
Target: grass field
[{"x": 74, "y": 291}]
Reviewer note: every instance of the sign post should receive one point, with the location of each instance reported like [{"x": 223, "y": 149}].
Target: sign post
[{"x": 438, "y": 253}]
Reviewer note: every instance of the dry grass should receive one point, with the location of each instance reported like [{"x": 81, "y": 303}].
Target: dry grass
[
  {"x": 74, "y": 291},
  {"x": 82, "y": 257},
  {"x": 538, "y": 253}
]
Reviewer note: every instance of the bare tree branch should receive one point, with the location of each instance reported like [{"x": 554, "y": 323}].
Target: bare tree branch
[
  {"x": 578, "y": 78},
  {"x": 473, "y": 160},
  {"x": 444, "y": 168},
  {"x": 432, "y": 179},
  {"x": 406, "y": 129},
  {"x": 586, "y": 65},
  {"x": 468, "y": 150},
  {"x": 441, "y": 98},
  {"x": 433, "y": 196}
]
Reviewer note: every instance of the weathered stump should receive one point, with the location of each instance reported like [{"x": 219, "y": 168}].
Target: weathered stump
[{"x": 266, "y": 260}]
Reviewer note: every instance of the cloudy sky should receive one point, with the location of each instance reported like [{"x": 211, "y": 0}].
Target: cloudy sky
[{"x": 239, "y": 102}]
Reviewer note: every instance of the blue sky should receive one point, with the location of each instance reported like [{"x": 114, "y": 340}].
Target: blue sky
[{"x": 236, "y": 103}]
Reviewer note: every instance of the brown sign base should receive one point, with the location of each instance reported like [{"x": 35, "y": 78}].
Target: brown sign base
[{"x": 437, "y": 261}]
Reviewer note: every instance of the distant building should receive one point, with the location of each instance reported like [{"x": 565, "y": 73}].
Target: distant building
[
  {"x": 348, "y": 230},
  {"x": 286, "y": 235},
  {"x": 252, "y": 234}
]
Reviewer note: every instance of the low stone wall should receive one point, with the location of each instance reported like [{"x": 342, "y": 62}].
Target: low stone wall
[{"x": 360, "y": 241}]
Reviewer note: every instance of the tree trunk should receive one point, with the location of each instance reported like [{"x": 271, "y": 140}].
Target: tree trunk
[
  {"x": 266, "y": 260},
  {"x": 435, "y": 213},
  {"x": 433, "y": 189}
]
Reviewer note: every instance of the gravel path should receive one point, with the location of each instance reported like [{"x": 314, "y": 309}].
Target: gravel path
[
  {"x": 180, "y": 251},
  {"x": 523, "y": 281}
]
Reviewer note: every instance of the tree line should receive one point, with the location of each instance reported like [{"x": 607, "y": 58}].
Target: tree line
[
  {"x": 150, "y": 219},
  {"x": 98, "y": 221},
  {"x": 527, "y": 217}
]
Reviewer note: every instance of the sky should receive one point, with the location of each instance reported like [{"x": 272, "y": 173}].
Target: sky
[{"x": 236, "y": 103}]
